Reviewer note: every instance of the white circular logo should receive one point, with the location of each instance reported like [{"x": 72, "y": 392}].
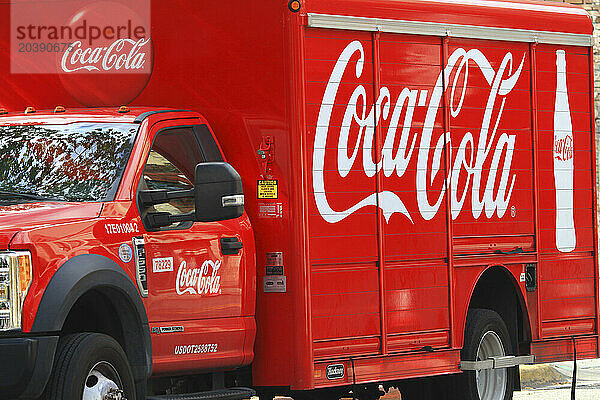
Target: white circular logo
[{"x": 125, "y": 253}]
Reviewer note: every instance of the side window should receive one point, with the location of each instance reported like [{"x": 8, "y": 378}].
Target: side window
[{"x": 170, "y": 166}]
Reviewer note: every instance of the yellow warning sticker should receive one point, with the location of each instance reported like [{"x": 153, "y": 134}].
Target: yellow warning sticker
[{"x": 267, "y": 189}]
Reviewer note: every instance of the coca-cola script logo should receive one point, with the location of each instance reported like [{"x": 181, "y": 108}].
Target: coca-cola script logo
[
  {"x": 113, "y": 64},
  {"x": 101, "y": 50},
  {"x": 121, "y": 55},
  {"x": 200, "y": 281},
  {"x": 468, "y": 159},
  {"x": 563, "y": 148}
]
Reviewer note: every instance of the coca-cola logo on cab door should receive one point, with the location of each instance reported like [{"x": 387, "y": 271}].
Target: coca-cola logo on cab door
[{"x": 205, "y": 280}]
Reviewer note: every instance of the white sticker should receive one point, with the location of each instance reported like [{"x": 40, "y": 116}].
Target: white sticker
[
  {"x": 270, "y": 210},
  {"x": 522, "y": 278},
  {"x": 274, "y": 284},
  {"x": 274, "y": 258},
  {"x": 162, "y": 264},
  {"x": 125, "y": 253}
]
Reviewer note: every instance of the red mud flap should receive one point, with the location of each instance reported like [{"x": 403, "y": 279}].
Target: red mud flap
[{"x": 222, "y": 394}]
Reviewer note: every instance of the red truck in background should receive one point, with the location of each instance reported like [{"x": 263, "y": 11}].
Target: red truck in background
[{"x": 418, "y": 205}]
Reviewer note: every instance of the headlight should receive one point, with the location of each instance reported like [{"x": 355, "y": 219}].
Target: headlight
[{"x": 15, "y": 279}]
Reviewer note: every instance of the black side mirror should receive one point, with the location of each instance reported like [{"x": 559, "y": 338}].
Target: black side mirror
[
  {"x": 218, "y": 192},
  {"x": 217, "y": 196}
]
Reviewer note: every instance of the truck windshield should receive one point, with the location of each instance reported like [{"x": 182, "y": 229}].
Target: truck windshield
[{"x": 71, "y": 162}]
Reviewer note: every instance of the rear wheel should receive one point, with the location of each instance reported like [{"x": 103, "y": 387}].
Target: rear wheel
[
  {"x": 486, "y": 336},
  {"x": 90, "y": 366}
]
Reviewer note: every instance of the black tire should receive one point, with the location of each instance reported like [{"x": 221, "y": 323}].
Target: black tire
[
  {"x": 77, "y": 355},
  {"x": 479, "y": 323}
]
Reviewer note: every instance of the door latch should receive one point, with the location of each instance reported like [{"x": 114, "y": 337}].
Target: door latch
[
  {"x": 265, "y": 153},
  {"x": 530, "y": 277}
]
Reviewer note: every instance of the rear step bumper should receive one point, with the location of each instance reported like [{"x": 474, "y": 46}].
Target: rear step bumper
[
  {"x": 496, "y": 362},
  {"x": 221, "y": 394}
]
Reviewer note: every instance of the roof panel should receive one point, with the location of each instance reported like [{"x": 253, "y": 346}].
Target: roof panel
[{"x": 511, "y": 14}]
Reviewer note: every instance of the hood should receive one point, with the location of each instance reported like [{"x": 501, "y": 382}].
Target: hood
[{"x": 22, "y": 217}]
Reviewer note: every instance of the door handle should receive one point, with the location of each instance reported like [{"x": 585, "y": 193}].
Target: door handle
[
  {"x": 230, "y": 245},
  {"x": 517, "y": 250}
]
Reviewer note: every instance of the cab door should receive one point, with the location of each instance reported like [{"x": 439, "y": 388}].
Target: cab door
[{"x": 194, "y": 290}]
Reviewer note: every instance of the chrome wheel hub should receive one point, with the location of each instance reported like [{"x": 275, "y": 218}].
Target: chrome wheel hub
[
  {"x": 103, "y": 383},
  {"x": 491, "y": 383}
]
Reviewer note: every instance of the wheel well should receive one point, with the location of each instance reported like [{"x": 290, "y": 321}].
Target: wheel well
[
  {"x": 496, "y": 290},
  {"x": 94, "y": 312},
  {"x": 107, "y": 310}
]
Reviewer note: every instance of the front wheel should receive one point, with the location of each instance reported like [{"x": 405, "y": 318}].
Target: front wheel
[
  {"x": 90, "y": 366},
  {"x": 486, "y": 336}
]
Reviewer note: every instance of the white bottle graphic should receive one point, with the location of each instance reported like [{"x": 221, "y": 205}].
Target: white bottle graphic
[{"x": 563, "y": 160}]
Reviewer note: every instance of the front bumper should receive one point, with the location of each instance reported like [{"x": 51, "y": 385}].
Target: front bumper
[{"x": 26, "y": 363}]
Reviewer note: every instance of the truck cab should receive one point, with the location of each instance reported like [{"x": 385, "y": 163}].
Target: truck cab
[{"x": 123, "y": 227}]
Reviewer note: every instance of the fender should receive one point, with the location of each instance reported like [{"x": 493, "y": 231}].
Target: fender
[
  {"x": 517, "y": 291},
  {"x": 78, "y": 276}
]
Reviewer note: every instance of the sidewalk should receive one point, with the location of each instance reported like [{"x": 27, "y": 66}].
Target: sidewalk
[{"x": 559, "y": 374}]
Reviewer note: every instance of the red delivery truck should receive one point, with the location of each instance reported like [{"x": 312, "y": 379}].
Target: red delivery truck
[{"x": 204, "y": 200}]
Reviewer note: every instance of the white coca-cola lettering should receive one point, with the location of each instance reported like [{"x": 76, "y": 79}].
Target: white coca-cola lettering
[
  {"x": 122, "y": 54},
  {"x": 498, "y": 185},
  {"x": 201, "y": 281}
]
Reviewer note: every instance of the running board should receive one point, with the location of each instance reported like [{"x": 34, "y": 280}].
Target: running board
[
  {"x": 222, "y": 394},
  {"x": 497, "y": 362}
]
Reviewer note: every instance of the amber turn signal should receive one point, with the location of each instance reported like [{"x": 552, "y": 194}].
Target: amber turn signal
[
  {"x": 123, "y": 109},
  {"x": 294, "y": 5},
  {"x": 29, "y": 110},
  {"x": 59, "y": 109},
  {"x": 24, "y": 272}
]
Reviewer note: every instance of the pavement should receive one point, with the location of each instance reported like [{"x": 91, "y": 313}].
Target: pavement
[
  {"x": 558, "y": 394},
  {"x": 553, "y": 381},
  {"x": 545, "y": 375}
]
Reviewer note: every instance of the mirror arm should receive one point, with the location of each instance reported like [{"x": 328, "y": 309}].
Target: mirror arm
[
  {"x": 150, "y": 198},
  {"x": 162, "y": 219}
]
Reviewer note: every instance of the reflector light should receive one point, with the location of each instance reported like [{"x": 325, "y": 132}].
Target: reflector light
[
  {"x": 123, "y": 109},
  {"x": 294, "y": 5},
  {"x": 59, "y": 109},
  {"x": 24, "y": 272},
  {"x": 3, "y": 111},
  {"x": 29, "y": 110}
]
